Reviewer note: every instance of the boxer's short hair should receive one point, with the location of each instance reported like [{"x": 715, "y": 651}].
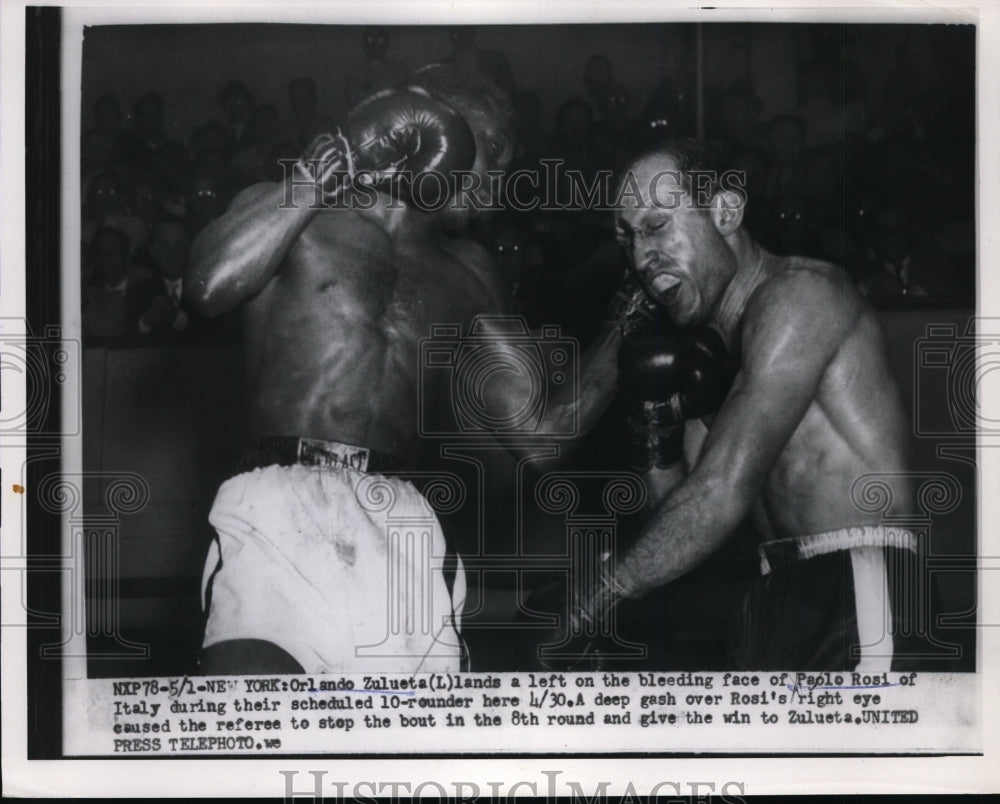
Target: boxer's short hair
[
  {"x": 692, "y": 156},
  {"x": 466, "y": 90}
]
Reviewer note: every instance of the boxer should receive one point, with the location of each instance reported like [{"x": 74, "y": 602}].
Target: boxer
[
  {"x": 336, "y": 296},
  {"x": 812, "y": 410},
  {"x": 665, "y": 380}
]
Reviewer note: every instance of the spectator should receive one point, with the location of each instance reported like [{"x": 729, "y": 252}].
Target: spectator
[
  {"x": 147, "y": 199},
  {"x": 786, "y": 142},
  {"x": 236, "y": 102},
  {"x": 146, "y": 149},
  {"x": 377, "y": 71},
  {"x": 856, "y": 110},
  {"x": 793, "y": 228},
  {"x": 163, "y": 317},
  {"x": 572, "y": 124},
  {"x": 668, "y": 114},
  {"x": 257, "y": 161},
  {"x": 205, "y": 201},
  {"x": 899, "y": 171},
  {"x": 907, "y": 263},
  {"x": 99, "y": 145},
  {"x": 491, "y": 63},
  {"x": 106, "y": 205},
  {"x": 817, "y": 107},
  {"x": 615, "y": 136},
  {"x": 210, "y": 136},
  {"x": 110, "y": 299},
  {"x": 144, "y": 206},
  {"x": 533, "y": 141},
  {"x": 742, "y": 129},
  {"x": 597, "y": 77},
  {"x": 510, "y": 240},
  {"x": 306, "y": 121}
]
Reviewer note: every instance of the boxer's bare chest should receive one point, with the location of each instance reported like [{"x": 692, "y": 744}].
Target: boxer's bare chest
[
  {"x": 333, "y": 340},
  {"x": 350, "y": 276}
]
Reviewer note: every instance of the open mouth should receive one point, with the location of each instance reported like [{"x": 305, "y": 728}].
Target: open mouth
[{"x": 665, "y": 286}]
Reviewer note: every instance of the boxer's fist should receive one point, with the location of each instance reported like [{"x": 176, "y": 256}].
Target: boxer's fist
[
  {"x": 581, "y": 640},
  {"x": 410, "y": 131},
  {"x": 689, "y": 369},
  {"x": 328, "y": 162},
  {"x": 631, "y": 310},
  {"x": 665, "y": 380},
  {"x": 394, "y": 136}
]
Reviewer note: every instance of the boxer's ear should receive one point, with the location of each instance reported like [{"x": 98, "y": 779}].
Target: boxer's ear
[{"x": 727, "y": 211}]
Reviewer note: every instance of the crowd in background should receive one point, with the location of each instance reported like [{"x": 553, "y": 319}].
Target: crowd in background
[{"x": 877, "y": 178}]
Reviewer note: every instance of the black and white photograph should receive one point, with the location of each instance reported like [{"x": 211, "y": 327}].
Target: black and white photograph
[{"x": 481, "y": 387}]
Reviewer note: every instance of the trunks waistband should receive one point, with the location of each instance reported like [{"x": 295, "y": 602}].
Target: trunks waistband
[
  {"x": 291, "y": 450},
  {"x": 782, "y": 552}
]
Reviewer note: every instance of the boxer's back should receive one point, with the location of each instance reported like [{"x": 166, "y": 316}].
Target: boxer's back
[
  {"x": 332, "y": 340},
  {"x": 856, "y": 425}
]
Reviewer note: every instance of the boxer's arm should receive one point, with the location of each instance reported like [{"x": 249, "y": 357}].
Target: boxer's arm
[
  {"x": 393, "y": 137},
  {"x": 570, "y": 408},
  {"x": 577, "y": 408},
  {"x": 237, "y": 254},
  {"x": 793, "y": 328}
]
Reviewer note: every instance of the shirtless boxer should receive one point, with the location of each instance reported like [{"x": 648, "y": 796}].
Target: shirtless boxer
[
  {"x": 813, "y": 408},
  {"x": 335, "y": 299}
]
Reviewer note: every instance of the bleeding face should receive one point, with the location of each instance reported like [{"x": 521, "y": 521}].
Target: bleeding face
[{"x": 674, "y": 246}]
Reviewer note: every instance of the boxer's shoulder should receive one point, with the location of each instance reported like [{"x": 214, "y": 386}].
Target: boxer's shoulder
[
  {"x": 809, "y": 267},
  {"x": 810, "y": 303},
  {"x": 801, "y": 284}
]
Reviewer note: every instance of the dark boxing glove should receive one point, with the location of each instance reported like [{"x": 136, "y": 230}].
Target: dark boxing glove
[
  {"x": 665, "y": 380},
  {"x": 582, "y": 638},
  {"x": 396, "y": 136}
]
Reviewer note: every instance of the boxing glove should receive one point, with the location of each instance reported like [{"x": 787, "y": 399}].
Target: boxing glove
[
  {"x": 396, "y": 136},
  {"x": 582, "y": 638},
  {"x": 664, "y": 381}
]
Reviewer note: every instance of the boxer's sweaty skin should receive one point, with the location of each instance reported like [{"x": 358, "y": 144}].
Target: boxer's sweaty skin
[
  {"x": 813, "y": 407},
  {"x": 335, "y": 303},
  {"x": 332, "y": 340}
]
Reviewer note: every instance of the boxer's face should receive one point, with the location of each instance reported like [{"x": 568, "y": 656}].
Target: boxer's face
[
  {"x": 494, "y": 151},
  {"x": 679, "y": 255}
]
